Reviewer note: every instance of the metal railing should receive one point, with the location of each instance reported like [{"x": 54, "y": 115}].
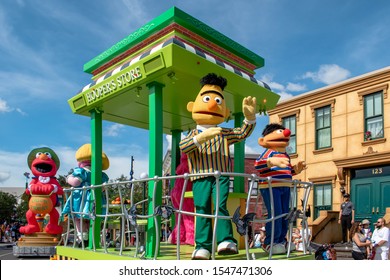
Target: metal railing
[{"x": 129, "y": 218}]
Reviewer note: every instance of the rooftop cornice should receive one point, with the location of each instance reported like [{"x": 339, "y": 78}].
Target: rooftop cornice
[
  {"x": 178, "y": 16},
  {"x": 358, "y": 83}
]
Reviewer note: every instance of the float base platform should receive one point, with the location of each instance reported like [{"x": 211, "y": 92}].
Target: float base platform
[{"x": 167, "y": 252}]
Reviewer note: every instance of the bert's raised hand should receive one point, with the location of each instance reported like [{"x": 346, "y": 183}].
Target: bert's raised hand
[{"x": 249, "y": 108}]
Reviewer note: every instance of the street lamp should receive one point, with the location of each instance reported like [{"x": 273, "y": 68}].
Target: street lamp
[{"x": 27, "y": 175}]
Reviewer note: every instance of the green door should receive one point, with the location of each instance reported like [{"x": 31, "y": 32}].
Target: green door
[{"x": 371, "y": 196}]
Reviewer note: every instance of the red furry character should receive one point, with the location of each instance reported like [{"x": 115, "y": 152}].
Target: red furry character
[{"x": 43, "y": 190}]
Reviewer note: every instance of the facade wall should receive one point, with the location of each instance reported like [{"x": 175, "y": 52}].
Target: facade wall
[{"x": 349, "y": 150}]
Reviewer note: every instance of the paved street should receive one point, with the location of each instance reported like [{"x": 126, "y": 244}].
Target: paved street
[{"x": 6, "y": 253}]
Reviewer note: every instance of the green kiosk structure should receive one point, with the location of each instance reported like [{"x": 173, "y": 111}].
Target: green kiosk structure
[{"x": 146, "y": 81}]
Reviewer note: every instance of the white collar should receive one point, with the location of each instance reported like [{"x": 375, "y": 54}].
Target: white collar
[{"x": 205, "y": 126}]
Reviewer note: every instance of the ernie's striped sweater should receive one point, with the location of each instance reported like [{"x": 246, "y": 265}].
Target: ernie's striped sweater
[{"x": 275, "y": 172}]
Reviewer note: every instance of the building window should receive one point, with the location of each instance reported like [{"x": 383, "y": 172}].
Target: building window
[
  {"x": 290, "y": 123},
  {"x": 373, "y": 116},
  {"x": 322, "y": 198},
  {"x": 323, "y": 128}
]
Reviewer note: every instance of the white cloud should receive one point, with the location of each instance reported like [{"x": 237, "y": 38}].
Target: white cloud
[
  {"x": 251, "y": 150},
  {"x": 4, "y": 108},
  {"x": 273, "y": 85},
  {"x": 4, "y": 176},
  {"x": 295, "y": 87},
  {"x": 282, "y": 90},
  {"x": 168, "y": 138},
  {"x": 12, "y": 167},
  {"x": 284, "y": 96},
  {"x": 113, "y": 130},
  {"x": 328, "y": 74}
]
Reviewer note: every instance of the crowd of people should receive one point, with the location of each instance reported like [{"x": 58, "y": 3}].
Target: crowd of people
[
  {"x": 370, "y": 245},
  {"x": 366, "y": 245},
  {"x": 9, "y": 232}
]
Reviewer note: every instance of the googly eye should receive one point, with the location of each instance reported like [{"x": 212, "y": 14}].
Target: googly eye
[
  {"x": 206, "y": 98},
  {"x": 48, "y": 154},
  {"x": 218, "y": 100},
  {"x": 38, "y": 154},
  {"x": 279, "y": 131}
]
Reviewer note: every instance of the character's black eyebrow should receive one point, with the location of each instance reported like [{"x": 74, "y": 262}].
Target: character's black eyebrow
[{"x": 212, "y": 91}]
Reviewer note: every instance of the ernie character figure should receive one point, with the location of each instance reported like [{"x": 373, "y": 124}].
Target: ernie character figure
[
  {"x": 274, "y": 162},
  {"x": 207, "y": 148}
]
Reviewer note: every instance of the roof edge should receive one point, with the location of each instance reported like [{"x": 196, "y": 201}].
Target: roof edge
[{"x": 174, "y": 14}]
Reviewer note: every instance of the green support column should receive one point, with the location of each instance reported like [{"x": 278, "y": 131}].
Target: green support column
[
  {"x": 155, "y": 160},
  {"x": 96, "y": 172},
  {"x": 239, "y": 157},
  {"x": 175, "y": 160}
]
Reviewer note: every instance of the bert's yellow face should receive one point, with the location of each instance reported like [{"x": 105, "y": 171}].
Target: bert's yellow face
[{"x": 209, "y": 107}]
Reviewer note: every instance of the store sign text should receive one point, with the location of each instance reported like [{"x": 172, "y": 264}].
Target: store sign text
[{"x": 110, "y": 85}]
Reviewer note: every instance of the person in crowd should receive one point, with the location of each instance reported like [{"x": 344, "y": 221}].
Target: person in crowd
[
  {"x": 299, "y": 236},
  {"x": 258, "y": 238},
  {"x": 367, "y": 233},
  {"x": 346, "y": 216},
  {"x": 360, "y": 243},
  {"x": 380, "y": 240}
]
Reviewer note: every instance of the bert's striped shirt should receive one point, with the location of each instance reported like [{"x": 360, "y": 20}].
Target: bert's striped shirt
[
  {"x": 275, "y": 172},
  {"x": 214, "y": 154}
]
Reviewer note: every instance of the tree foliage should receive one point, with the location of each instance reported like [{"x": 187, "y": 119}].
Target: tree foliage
[
  {"x": 139, "y": 190},
  {"x": 21, "y": 210},
  {"x": 8, "y": 203}
]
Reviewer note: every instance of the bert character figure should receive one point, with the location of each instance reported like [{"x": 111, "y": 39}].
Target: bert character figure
[{"x": 207, "y": 148}]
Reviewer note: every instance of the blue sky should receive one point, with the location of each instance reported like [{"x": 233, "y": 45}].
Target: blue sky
[{"x": 306, "y": 44}]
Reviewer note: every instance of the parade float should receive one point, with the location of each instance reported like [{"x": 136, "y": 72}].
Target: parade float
[
  {"x": 42, "y": 232},
  {"x": 145, "y": 81}
]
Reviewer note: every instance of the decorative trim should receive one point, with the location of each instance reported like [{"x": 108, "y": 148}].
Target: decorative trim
[
  {"x": 370, "y": 150},
  {"x": 319, "y": 180},
  {"x": 296, "y": 112},
  {"x": 322, "y": 151},
  {"x": 365, "y": 160},
  {"x": 293, "y": 156},
  {"x": 373, "y": 142},
  {"x": 185, "y": 46},
  {"x": 375, "y": 89},
  {"x": 330, "y": 102},
  {"x": 341, "y": 175}
]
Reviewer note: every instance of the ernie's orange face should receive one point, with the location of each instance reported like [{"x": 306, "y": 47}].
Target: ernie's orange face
[
  {"x": 276, "y": 140},
  {"x": 209, "y": 107}
]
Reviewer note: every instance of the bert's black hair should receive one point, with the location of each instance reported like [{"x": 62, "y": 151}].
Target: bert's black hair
[
  {"x": 269, "y": 128},
  {"x": 213, "y": 79}
]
